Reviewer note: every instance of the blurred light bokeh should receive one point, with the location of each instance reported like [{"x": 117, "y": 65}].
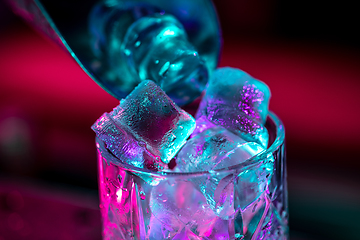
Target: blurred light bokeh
[{"x": 308, "y": 53}]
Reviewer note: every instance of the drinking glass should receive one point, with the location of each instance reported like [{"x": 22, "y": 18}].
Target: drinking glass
[{"x": 138, "y": 203}]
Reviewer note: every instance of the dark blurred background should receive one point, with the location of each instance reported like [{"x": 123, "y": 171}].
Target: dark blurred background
[{"x": 308, "y": 52}]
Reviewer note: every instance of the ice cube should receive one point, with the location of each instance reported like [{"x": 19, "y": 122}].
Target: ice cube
[
  {"x": 152, "y": 117},
  {"x": 217, "y": 148},
  {"x": 234, "y": 87},
  {"x": 238, "y": 102}
]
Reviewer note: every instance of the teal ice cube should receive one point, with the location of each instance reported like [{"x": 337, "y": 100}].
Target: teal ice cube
[{"x": 154, "y": 120}]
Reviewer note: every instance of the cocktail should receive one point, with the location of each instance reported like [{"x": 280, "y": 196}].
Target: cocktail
[{"x": 213, "y": 185}]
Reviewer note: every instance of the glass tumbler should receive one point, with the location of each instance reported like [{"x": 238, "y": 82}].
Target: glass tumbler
[{"x": 245, "y": 201}]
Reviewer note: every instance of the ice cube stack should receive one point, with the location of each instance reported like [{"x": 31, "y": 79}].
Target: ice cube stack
[{"x": 148, "y": 129}]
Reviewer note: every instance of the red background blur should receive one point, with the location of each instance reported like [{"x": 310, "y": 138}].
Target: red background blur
[{"x": 308, "y": 54}]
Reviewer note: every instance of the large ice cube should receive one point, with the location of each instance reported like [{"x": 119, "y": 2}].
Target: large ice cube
[
  {"x": 146, "y": 129},
  {"x": 238, "y": 102},
  {"x": 217, "y": 148},
  {"x": 153, "y": 118}
]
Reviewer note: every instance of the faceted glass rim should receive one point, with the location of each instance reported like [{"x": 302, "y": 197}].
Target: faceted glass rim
[{"x": 255, "y": 160}]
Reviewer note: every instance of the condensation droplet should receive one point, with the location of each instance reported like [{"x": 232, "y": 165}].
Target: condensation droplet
[
  {"x": 142, "y": 195},
  {"x": 127, "y": 52}
]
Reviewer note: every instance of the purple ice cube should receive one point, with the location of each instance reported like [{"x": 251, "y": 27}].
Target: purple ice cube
[
  {"x": 149, "y": 115},
  {"x": 238, "y": 102}
]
